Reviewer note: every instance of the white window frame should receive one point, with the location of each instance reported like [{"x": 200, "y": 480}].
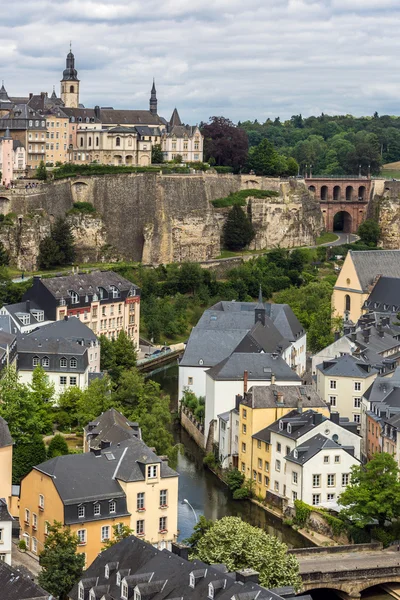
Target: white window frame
[
  {"x": 82, "y": 538},
  {"x": 103, "y": 537},
  {"x": 332, "y": 384},
  {"x": 81, "y": 512},
  {"x": 112, "y": 506},
  {"x": 45, "y": 361},
  {"x": 151, "y": 471},
  {"x": 97, "y": 509},
  {"x": 316, "y": 480}
]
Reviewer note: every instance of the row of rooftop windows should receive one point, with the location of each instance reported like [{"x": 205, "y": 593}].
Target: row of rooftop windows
[{"x": 45, "y": 362}]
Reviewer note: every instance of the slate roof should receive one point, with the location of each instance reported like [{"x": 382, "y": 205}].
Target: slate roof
[
  {"x": 223, "y": 327},
  {"x": 83, "y": 113},
  {"x": 313, "y": 446},
  {"x": 170, "y": 575},
  {"x": 6, "y": 323},
  {"x": 346, "y": 366},
  {"x": 128, "y": 117},
  {"x": 15, "y": 585},
  {"x": 5, "y": 436},
  {"x": 271, "y": 396},
  {"x": 382, "y": 387},
  {"x": 86, "y": 477},
  {"x": 54, "y": 348},
  {"x": 385, "y": 296},
  {"x": 85, "y": 283},
  {"x": 259, "y": 367},
  {"x": 22, "y": 307},
  {"x": 372, "y": 263},
  {"x": 111, "y": 426},
  {"x": 4, "y": 514},
  {"x": 71, "y": 329}
]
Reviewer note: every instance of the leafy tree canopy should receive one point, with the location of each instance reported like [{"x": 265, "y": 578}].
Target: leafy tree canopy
[
  {"x": 121, "y": 532},
  {"x": 157, "y": 156},
  {"x": 117, "y": 355},
  {"x": 57, "y": 447},
  {"x": 369, "y": 232},
  {"x": 374, "y": 492},
  {"x": 226, "y": 143},
  {"x": 61, "y": 565},
  {"x": 239, "y": 545}
]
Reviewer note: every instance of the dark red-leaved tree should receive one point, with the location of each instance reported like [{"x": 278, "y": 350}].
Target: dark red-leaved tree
[{"x": 226, "y": 143}]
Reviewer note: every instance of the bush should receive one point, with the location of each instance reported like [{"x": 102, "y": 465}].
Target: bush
[
  {"x": 22, "y": 545},
  {"x": 241, "y": 196},
  {"x": 82, "y": 207},
  {"x": 209, "y": 460},
  {"x": 234, "y": 480},
  {"x": 383, "y": 535},
  {"x": 223, "y": 169},
  {"x": 369, "y": 232},
  {"x": 302, "y": 512},
  {"x": 57, "y": 447},
  {"x": 242, "y": 493}
]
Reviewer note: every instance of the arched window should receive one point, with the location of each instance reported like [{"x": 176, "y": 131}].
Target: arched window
[
  {"x": 347, "y": 302},
  {"x": 35, "y": 361},
  {"x": 114, "y": 291},
  {"x": 73, "y": 363},
  {"x": 71, "y": 89},
  {"x": 81, "y": 141},
  {"x": 63, "y": 362},
  {"x": 97, "y": 140},
  {"x": 74, "y": 296},
  {"x": 118, "y": 141},
  {"x": 89, "y": 141},
  {"x": 45, "y": 361},
  {"x": 130, "y": 141}
]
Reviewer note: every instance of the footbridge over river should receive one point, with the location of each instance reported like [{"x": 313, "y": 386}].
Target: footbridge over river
[{"x": 349, "y": 571}]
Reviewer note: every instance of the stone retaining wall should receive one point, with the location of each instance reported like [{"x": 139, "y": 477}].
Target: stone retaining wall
[{"x": 194, "y": 429}]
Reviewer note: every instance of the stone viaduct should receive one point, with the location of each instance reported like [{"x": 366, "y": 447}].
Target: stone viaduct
[
  {"x": 349, "y": 573},
  {"x": 344, "y": 200}
]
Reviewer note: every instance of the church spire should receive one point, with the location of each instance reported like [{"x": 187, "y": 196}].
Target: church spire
[
  {"x": 153, "y": 99},
  {"x": 259, "y": 312},
  {"x": 3, "y": 94}
]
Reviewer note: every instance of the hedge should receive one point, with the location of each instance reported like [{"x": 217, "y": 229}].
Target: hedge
[{"x": 241, "y": 196}]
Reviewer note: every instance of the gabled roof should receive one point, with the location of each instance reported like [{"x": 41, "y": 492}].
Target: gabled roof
[
  {"x": 346, "y": 366},
  {"x": 128, "y": 117},
  {"x": 5, "y": 436},
  {"x": 289, "y": 396},
  {"x": 175, "y": 119},
  {"x": 71, "y": 329},
  {"x": 111, "y": 426},
  {"x": 385, "y": 296},
  {"x": 85, "y": 283},
  {"x": 4, "y": 514},
  {"x": 303, "y": 453},
  {"x": 15, "y": 585},
  {"x": 372, "y": 263},
  {"x": 258, "y": 366},
  {"x": 171, "y": 575}
]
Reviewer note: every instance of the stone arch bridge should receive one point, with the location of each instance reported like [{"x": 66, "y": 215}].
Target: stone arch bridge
[
  {"x": 343, "y": 200},
  {"x": 349, "y": 574}
]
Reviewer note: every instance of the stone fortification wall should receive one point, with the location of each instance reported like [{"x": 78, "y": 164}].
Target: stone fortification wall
[{"x": 158, "y": 218}]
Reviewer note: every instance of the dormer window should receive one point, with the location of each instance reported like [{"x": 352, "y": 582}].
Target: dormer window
[
  {"x": 92, "y": 595},
  {"x": 45, "y": 361},
  {"x": 137, "y": 595},
  {"x": 106, "y": 571},
  {"x": 289, "y": 428},
  {"x": 74, "y": 297},
  {"x": 115, "y": 291},
  {"x": 25, "y": 318},
  {"x": 102, "y": 293},
  {"x": 81, "y": 512},
  {"x": 35, "y": 361},
  {"x": 132, "y": 292},
  {"x": 124, "y": 590},
  {"x": 295, "y": 454},
  {"x": 192, "y": 581},
  {"x": 96, "y": 510},
  {"x": 210, "y": 591},
  {"x": 81, "y": 591},
  {"x": 63, "y": 362},
  {"x": 118, "y": 579},
  {"x": 281, "y": 425},
  {"x": 152, "y": 471},
  {"x": 73, "y": 363}
]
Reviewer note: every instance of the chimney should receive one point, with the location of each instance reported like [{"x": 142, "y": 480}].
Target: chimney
[
  {"x": 273, "y": 379},
  {"x": 97, "y": 112},
  {"x": 353, "y": 337},
  {"x": 238, "y": 399},
  {"x": 30, "y": 95},
  {"x": 335, "y": 417},
  {"x": 300, "y": 404},
  {"x": 28, "y": 306},
  {"x": 96, "y": 451},
  {"x": 245, "y": 381},
  {"x": 336, "y": 336},
  {"x": 247, "y": 576},
  {"x": 65, "y": 317},
  {"x": 104, "y": 444},
  {"x": 181, "y": 550},
  {"x": 317, "y": 418}
]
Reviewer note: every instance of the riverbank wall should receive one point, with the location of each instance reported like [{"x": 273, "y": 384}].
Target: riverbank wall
[{"x": 192, "y": 427}]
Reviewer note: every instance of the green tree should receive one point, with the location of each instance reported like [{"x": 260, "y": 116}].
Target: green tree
[
  {"x": 121, "y": 532},
  {"x": 26, "y": 455},
  {"x": 239, "y": 545},
  {"x": 374, "y": 492},
  {"x": 238, "y": 230},
  {"x": 369, "y": 232},
  {"x": 117, "y": 355},
  {"x": 4, "y": 257},
  {"x": 234, "y": 480},
  {"x": 57, "y": 447},
  {"x": 49, "y": 253},
  {"x": 61, "y": 233},
  {"x": 157, "y": 156},
  {"x": 67, "y": 407},
  {"x": 41, "y": 171},
  {"x": 42, "y": 393},
  {"x": 199, "y": 530},
  {"x": 94, "y": 400},
  {"x": 18, "y": 407},
  {"x": 61, "y": 565}
]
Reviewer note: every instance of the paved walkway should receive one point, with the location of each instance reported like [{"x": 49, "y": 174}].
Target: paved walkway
[
  {"x": 348, "y": 561},
  {"x": 25, "y": 559}
]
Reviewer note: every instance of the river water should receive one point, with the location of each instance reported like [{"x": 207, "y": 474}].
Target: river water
[{"x": 205, "y": 492}]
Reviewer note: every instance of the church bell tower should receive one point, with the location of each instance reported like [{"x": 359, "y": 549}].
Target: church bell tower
[{"x": 70, "y": 83}]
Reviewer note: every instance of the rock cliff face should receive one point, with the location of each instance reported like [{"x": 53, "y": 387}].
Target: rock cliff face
[
  {"x": 156, "y": 218},
  {"x": 386, "y": 208}
]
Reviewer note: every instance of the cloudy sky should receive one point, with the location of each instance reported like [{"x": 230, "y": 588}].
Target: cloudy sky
[{"x": 243, "y": 59}]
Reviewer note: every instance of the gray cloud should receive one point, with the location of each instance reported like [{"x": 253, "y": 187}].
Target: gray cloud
[{"x": 245, "y": 60}]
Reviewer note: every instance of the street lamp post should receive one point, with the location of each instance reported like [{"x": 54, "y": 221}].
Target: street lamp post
[{"x": 185, "y": 501}]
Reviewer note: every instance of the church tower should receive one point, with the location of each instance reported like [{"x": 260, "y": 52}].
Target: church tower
[
  {"x": 153, "y": 100},
  {"x": 70, "y": 83}
]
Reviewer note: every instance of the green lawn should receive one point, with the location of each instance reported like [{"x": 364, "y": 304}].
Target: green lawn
[
  {"x": 325, "y": 238},
  {"x": 390, "y": 173}
]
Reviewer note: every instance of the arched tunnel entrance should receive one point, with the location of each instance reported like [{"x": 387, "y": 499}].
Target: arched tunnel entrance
[
  {"x": 342, "y": 222},
  {"x": 376, "y": 592}
]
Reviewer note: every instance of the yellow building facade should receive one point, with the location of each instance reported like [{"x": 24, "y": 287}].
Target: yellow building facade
[
  {"x": 260, "y": 408},
  {"x": 57, "y": 138}
]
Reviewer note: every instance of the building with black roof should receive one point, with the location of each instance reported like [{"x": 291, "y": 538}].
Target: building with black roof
[
  {"x": 16, "y": 585},
  {"x": 120, "y": 480},
  {"x": 134, "y": 569}
]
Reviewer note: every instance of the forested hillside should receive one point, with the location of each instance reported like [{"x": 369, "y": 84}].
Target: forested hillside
[{"x": 334, "y": 145}]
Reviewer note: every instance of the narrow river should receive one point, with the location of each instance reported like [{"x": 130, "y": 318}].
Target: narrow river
[
  {"x": 209, "y": 496},
  {"x": 205, "y": 492}
]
